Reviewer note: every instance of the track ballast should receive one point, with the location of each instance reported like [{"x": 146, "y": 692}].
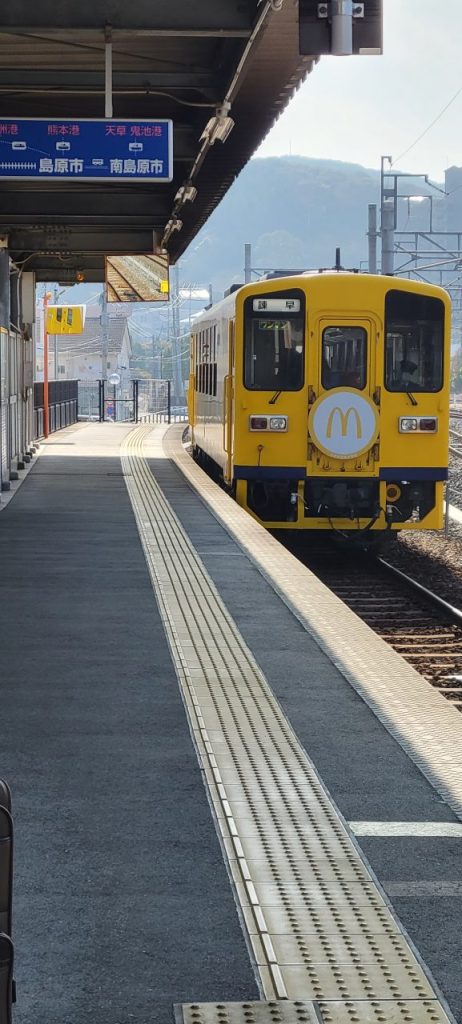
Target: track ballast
[{"x": 414, "y": 621}]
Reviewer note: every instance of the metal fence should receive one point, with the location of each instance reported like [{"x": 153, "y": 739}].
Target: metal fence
[
  {"x": 154, "y": 400},
  {"x": 90, "y": 400},
  {"x": 155, "y": 403},
  {"x": 143, "y": 401},
  {"x": 62, "y": 405},
  {"x": 103, "y": 402}
]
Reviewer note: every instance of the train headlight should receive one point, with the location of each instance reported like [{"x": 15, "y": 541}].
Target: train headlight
[
  {"x": 407, "y": 424},
  {"x": 418, "y": 424},
  {"x": 278, "y": 423}
]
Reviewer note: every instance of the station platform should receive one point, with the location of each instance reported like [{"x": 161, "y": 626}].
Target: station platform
[{"x": 232, "y": 801}]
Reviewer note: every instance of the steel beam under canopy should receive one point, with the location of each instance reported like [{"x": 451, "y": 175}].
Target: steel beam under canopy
[{"x": 221, "y": 71}]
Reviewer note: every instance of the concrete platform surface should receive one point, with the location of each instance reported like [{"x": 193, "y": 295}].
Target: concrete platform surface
[{"x": 128, "y": 896}]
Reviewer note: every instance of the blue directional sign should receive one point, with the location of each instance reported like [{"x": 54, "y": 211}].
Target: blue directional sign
[{"x": 85, "y": 150}]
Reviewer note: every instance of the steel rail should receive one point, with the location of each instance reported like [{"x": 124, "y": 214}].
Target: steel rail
[{"x": 455, "y": 614}]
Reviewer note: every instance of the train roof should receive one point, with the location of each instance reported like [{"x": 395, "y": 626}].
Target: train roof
[{"x": 288, "y": 278}]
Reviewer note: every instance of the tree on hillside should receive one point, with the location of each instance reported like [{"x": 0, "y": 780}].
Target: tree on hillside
[{"x": 279, "y": 250}]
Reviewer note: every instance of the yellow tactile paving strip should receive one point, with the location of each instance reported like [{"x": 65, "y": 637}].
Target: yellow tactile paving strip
[
  {"x": 301, "y": 1012},
  {"x": 422, "y": 721},
  {"x": 318, "y": 924}
]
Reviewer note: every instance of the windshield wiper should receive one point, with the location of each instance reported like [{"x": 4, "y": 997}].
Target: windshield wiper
[
  {"x": 411, "y": 397},
  {"x": 275, "y": 397}
]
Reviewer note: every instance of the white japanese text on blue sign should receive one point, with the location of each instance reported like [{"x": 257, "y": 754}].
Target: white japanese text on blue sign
[{"x": 86, "y": 150}]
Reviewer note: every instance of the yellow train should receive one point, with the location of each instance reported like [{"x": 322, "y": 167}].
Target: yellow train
[{"x": 322, "y": 400}]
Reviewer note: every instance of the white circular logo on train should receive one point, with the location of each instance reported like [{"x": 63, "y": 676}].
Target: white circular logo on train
[{"x": 343, "y": 423}]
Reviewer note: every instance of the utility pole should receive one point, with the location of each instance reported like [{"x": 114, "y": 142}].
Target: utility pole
[
  {"x": 104, "y": 335},
  {"x": 388, "y": 237},
  {"x": 247, "y": 263},
  {"x": 176, "y": 353},
  {"x": 388, "y": 201},
  {"x": 55, "y": 299},
  {"x": 372, "y": 238}
]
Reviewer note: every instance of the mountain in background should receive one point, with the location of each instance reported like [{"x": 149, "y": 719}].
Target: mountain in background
[{"x": 294, "y": 211}]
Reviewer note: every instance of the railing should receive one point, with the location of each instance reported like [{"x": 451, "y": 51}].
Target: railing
[
  {"x": 62, "y": 405},
  {"x": 144, "y": 401},
  {"x": 103, "y": 402},
  {"x": 90, "y": 400},
  {"x": 154, "y": 401}
]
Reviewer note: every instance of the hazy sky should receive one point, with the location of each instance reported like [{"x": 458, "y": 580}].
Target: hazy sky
[{"x": 358, "y": 108}]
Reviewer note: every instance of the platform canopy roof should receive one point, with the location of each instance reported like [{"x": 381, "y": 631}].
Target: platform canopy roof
[{"x": 197, "y": 62}]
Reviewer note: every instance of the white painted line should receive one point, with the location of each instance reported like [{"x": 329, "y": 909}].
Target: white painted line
[
  {"x": 432, "y": 829},
  {"x": 455, "y": 514}
]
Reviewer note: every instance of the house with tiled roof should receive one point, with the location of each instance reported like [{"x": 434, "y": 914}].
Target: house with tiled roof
[{"x": 82, "y": 356}]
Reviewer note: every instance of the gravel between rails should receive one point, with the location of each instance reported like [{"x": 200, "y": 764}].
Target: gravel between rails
[
  {"x": 429, "y": 557},
  {"x": 433, "y": 560}
]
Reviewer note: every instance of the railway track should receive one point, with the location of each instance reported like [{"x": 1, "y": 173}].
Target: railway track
[
  {"x": 455, "y": 464},
  {"x": 138, "y": 282},
  {"x": 419, "y": 625},
  {"x": 455, "y": 434}
]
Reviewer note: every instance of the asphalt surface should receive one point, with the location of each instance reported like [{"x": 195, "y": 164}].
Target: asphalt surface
[
  {"x": 367, "y": 773},
  {"x": 122, "y": 903}
]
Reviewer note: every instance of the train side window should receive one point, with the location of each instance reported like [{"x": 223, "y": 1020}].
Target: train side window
[
  {"x": 414, "y": 332},
  {"x": 344, "y": 357},
  {"x": 195, "y": 366},
  {"x": 213, "y": 368},
  {"x": 198, "y": 361}
]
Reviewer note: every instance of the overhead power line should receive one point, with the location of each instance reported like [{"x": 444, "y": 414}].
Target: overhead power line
[{"x": 435, "y": 120}]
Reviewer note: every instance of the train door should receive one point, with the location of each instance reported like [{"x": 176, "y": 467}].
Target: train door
[
  {"x": 346, "y": 354},
  {"x": 344, "y": 420},
  {"x": 228, "y": 406}
]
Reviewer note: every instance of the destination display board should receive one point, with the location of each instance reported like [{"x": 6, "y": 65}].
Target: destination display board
[{"x": 86, "y": 150}]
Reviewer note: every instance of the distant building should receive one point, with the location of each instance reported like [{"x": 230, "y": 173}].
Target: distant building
[{"x": 80, "y": 356}]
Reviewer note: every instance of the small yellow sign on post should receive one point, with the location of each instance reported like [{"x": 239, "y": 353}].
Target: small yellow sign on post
[{"x": 65, "y": 319}]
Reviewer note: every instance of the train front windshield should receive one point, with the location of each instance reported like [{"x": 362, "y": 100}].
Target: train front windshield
[
  {"x": 274, "y": 344},
  {"x": 414, "y": 332}
]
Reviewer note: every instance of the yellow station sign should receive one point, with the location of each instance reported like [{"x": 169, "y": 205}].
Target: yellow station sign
[{"x": 65, "y": 319}]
